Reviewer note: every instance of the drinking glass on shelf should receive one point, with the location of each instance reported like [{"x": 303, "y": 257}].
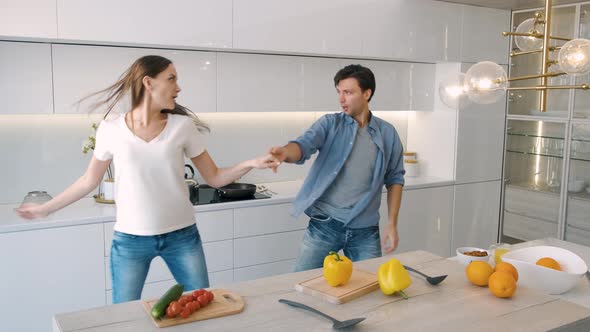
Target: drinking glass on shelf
[{"x": 497, "y": 250}]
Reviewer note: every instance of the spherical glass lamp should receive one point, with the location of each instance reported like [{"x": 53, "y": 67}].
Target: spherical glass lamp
[
  {"x": 486, "y": 82},
  {"x": 574, "y": 57},
  {"x": 453, "y": 91},
  {"x": 525, "y": 43}
]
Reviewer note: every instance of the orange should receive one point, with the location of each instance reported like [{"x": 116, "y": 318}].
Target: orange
[
  {"x": 502, "y": 284},
  {"x": 478, "y": 272},
  {"x": 549, "y": 263},
  {"x": 507, "y": 267}
]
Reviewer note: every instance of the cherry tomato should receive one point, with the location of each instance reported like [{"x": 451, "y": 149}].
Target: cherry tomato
[
  {"x": 210, "y": 296},
  {"x": 203, "y": 300},
  {"x": 196, "y": 304},
  {"x": 185, "y": 312},
  {"x": 169, "y": 313},
  {"x": 182, "y": 301},
  {"x": 175, "y": 308}
]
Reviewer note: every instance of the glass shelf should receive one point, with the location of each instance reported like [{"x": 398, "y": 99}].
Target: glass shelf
[
  {"x": 535, "y": 153},
  {"x": 525, "y": 134}
]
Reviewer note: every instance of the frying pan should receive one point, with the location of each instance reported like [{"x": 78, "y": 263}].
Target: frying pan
[{"x": 234, "y": 190}]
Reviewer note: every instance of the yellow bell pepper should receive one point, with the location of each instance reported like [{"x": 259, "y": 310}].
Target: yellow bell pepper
[
  {"x": 393, "y": 278},
  {"x": 337, "y": 269}
]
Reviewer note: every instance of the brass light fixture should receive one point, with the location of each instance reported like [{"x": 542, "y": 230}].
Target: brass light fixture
[{"x": 486, "y": 82}]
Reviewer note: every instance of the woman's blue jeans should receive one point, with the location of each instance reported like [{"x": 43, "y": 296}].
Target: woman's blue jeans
[
  {"x": 131, "y": 256},
  {"x": 325, "y": 234}
]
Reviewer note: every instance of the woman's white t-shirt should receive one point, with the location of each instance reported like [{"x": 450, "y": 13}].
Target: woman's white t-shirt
[{"x": 152, "y": 197}]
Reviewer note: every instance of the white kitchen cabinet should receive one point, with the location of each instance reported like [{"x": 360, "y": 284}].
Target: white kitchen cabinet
[
  {"x": 26, "y": 78},
  {"x": 321, "y": 27},
  {"x": 266, "y": 219},
  {"x": 219, "y": 255},
  {"x": 531, "y": 203},
  {"x": 267, "y": 248},
  {"x": 79, "y": 71},
  {"x": 425, "y": 30},
  {"x": 204, "y": 23},
  {"x": 28, "y": 18},
  {"x": 482, "y": 38},
  {"x": 480, "y": 138},
  {"x": 215, "y": 225},
  {"x": 526, "y": 228},
  {"x": 402, "y": 29},
  {"x": 258, "y": 83},
  {"x": 476, "y": 215},
  {"x": 424, "y": 220},
  {"x": 401, "y": 86},
  {"x": 318, "y": 92},
  {"x": 264, "y": 270},
  {"x": 50, "y": 271}
]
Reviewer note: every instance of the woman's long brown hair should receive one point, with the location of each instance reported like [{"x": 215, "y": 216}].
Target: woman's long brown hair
[{"x": 131, "y": 81}]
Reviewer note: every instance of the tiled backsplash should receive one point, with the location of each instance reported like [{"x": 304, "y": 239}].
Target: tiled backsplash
[{"x": 44, "y": 152}]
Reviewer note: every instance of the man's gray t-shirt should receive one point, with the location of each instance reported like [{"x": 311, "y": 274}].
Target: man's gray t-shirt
[{"x": 353, "y": 180}]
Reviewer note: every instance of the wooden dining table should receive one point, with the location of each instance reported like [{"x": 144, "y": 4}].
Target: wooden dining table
[{"x": 453, "y": 305}]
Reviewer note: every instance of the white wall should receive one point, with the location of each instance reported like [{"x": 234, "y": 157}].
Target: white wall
[{"x": 44, "y": 152}]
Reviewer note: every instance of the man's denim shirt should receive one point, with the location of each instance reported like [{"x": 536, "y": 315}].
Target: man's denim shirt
[{"x": 333, "y": 136}]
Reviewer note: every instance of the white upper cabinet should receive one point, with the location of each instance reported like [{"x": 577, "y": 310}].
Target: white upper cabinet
[
  {"x": 310, "y": 26},
  {"x": 270, "y": 83},
  {"x": 402, "y": 29},
  {"x": 400, "y": 86},
  {"x": 28, "y": 18},
  {"x": 203, "y": 23},
  {"x": 81, "y": 70},
  {"x": 411, "y": 30},
  {"x": 25, "y": 81},
  {"x": 258, "y": 83},
  {"x": 425, "y": 30},
  {"x": 318, "y": 92},
  {"x": 482, "y": 34}
]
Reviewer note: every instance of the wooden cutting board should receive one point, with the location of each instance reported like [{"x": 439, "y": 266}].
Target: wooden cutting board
[
  {"x": 360, "y": 283},
  {"x": 224, "y": 303}
]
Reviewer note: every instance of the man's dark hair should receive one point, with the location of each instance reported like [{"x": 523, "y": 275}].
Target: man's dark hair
[{"x": 363, "y": 75}]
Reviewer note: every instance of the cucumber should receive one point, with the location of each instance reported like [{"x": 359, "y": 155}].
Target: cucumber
[{"x": 172, "y": 294}]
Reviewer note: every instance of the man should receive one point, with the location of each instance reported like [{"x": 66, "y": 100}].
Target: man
[{"x": 358, "y": 154}]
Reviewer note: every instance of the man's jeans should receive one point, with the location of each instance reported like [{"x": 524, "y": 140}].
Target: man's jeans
[
  {"x": 131, "y": 256},
  {"x": 325, "y": 234}
]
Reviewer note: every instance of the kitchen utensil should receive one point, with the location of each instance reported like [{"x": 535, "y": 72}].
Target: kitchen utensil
[
  {"x": 360, "y": 283},
  {"x": 337, "y": 324},
  {"x": 35, "y": 197},
  {"x": 192, "y": 184},
  {"x": 234, "y": 190},
  {"x": 225, "y": 303},
  {"x": 431, "y": 280},
  {"x": 545, "y": 279}
]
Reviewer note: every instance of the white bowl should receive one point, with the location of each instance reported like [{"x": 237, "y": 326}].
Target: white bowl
[
  {"x": 466, "y": 259},
  {"x": 545, "y": 279}
]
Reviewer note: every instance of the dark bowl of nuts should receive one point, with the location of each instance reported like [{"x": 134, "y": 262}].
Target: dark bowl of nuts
[{"x": 467, "y": 254}]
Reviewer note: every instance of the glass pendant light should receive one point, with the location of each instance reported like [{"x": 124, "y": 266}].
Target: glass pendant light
[
  {"x": 574, "y": 57},
  {"x": 453, "y": 91},
  {"x": 486, "y": 82},
  {"x": 529, "y": 43}
]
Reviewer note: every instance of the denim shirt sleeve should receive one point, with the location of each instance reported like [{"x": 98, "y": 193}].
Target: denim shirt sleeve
[
  {"x": 395, "y": 168},
  {"x": 313, "y": 139}
]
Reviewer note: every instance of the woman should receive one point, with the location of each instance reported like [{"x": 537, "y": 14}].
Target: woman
[{"x": 148, "y": 144}]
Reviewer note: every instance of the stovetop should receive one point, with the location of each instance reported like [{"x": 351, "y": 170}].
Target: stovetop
[{"x": 211, "y": 196}]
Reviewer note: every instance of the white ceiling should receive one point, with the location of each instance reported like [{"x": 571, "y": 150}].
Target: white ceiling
[{"x": 512, "y": 4}]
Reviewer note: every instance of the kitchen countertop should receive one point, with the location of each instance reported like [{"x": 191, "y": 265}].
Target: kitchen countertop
[
  {"x": 87, "y": 211},
  {"x": 453, "y": 305}
]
